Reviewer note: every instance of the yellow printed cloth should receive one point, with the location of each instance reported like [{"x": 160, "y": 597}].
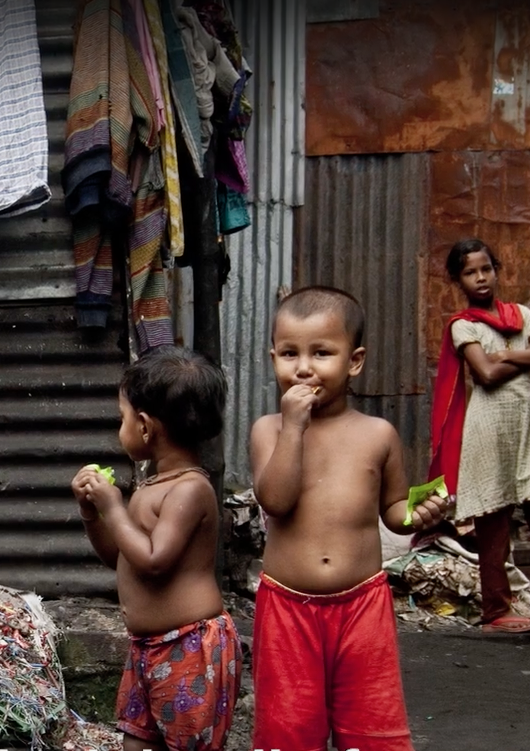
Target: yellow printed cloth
[{"x": 169, "y": 147}]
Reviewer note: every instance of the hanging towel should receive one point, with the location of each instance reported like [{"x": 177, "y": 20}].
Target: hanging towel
[
  {"x": 167, "y": 135},
  {"x": 23, "y": 134}
]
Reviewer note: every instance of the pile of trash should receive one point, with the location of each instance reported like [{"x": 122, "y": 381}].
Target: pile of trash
[
  {"x": 439, "y": 578},
  {"x": 244, "y": 540},
  {"x": 33, "y": 708}
]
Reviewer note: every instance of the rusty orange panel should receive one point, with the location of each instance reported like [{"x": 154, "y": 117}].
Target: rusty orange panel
[
  {"x": 477, "y": 194},
  {"x": 429, "y": 76}
]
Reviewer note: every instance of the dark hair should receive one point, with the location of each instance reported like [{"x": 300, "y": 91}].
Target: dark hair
[
  {"x": 183, "y": 389},
  {"x": 456, "y": 260},
  {"x": 307, "y": 301}
]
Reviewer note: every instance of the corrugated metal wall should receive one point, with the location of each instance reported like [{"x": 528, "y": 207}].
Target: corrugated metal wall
[
  {"x": 362, "y": 231},
  {"x": 273, "y": 36},
  {"x": 58, "y": 405}
]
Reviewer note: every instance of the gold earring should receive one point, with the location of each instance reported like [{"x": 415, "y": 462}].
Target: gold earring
[{"x": 145, "y": 437}]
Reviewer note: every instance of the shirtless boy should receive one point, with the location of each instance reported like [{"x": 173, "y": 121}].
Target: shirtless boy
[
  {"x": 181, "y": 679},
  {"x": 325, "y": 645}
]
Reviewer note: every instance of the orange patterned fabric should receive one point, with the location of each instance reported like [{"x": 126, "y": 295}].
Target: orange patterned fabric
[{"x": 180, "y": 688}]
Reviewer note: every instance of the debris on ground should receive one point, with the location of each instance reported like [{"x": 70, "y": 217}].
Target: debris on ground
[
  {"x": 244, "y": 541},
  {"x": 33, "y": 708},
  {"x": 439, "y": 578}
]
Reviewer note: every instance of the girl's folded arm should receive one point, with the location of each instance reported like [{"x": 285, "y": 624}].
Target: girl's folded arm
[
  {"x": 518, "y": 357},
  {"x": 486, "y": 370}
]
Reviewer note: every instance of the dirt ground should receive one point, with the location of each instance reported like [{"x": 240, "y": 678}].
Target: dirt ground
[{"x": 464, "y": 691}]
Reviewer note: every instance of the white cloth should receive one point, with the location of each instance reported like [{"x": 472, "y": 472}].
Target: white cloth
[
  {"x": 494, "y": 467},
  {"x": 23, "y": 134}
]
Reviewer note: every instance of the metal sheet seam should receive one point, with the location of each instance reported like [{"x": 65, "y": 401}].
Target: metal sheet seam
[{"x": 273, "y": 37}]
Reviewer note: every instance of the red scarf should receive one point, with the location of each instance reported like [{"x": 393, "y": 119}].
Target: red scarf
[{"x": 449, "y": 403}]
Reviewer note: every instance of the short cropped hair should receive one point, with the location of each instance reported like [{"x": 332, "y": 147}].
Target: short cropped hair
[
  {"x": 456, "y": 260},
  {"x": 183, "y": 389},
  {"x": 307, "y": 301}
]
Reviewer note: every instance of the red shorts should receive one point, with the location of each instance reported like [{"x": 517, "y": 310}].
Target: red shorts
[
  {"x": 180, "y": 688},
  {"x": 328, "y": 663}
]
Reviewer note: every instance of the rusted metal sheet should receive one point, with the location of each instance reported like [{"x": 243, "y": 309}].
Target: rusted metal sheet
[
  {"x": 423, "y": 76},
  {"x": 36, "y": 258},
  {"x": 58, "y": 411},
  {"x": 477, "y": 194},
  {"x": 363, "y": 232},
  {"x": 273, "y": 36}
]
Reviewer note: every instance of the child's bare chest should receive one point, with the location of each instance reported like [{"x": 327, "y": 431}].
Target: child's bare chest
[{"x": 346, "y": 469}]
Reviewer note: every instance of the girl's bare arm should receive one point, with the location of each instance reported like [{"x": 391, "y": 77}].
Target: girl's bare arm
[
  {"x": 490, "y": 370},
  {"x": 519, "y": 357},
  {"x": 183, "y": 509},
  {"x": 102, "y": 540},
  {"x": 99, "y": 535}
]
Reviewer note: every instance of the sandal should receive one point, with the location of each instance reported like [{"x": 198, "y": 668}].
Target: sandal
[{"x": 507, "y": 624}]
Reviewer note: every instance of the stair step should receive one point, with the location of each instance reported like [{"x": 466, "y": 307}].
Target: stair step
[
  {"x": 35, "y": 410},
  {"x": 29, "y": 346},
  {"x": 54, "y": 445},
  {"x": 35, "y": 544},
  {"x": 91, "y": 377},
  {"x": 39, "y": 512},
  {"x": 91, "y": 579}
]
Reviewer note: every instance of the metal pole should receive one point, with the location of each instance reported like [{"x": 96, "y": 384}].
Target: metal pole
[{"x": 207, "y": 334}]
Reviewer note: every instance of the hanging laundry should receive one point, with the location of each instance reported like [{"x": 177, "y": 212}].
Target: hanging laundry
[
  {"x": 112, "y": 178},
  {"x": 210, "y": 68},
  {"x": 98, "y": 193},
  {"x": 231, "y": 165},
  {"x": 149, "y": 57},
  {"x": 151, "y": 314},
  {"x": 232, "y": 114},
  {"x": 168, "y": 143},
  {"x": 233, "y": 210},
  {"x": 23, "y": 134},
  {"x": 183, "y": 89},
  {"x": 216, "y": 17}
]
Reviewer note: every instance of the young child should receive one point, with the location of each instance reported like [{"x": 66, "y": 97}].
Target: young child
[
  {"x": 325, "y": 645},
  {"x": 181, "y": 679},
  {"x": 484, "y": 451}
]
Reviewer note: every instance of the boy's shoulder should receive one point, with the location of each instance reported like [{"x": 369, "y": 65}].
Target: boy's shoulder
[
  {"x": 372, "y": 428},
  {"x": 271, "y": 421},
  {"x": 192, "y": 483},
  {"x": 374, "y": 423}
]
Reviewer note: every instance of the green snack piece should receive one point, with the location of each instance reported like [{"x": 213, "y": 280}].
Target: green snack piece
[
  {"x": 420, "y": 493},
  {"x": 107, "y": 472}
]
